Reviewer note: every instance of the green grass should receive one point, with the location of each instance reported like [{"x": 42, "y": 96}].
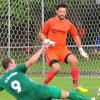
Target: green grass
[
  {"x": 91, "y": 83},
  {"x": 90, "y": 67}
]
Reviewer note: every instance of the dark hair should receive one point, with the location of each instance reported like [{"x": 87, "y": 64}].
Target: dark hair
[
  {"x": 5, "y": 62},
  {"x": 62, "y": 5}
]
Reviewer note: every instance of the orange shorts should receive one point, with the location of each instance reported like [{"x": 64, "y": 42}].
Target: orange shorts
[{"x": 57, "y": 54}]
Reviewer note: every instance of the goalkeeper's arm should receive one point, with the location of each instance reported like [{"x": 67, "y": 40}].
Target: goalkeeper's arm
[
  {"x": 78, "y": 43},
  {"x": 42, "y": 36},
  {"x": 73, "y": 32}
]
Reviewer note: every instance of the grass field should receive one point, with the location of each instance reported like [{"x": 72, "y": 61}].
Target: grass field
[
  {"x": 91, "y": 83},
  {"x": 91, "y": 67}
]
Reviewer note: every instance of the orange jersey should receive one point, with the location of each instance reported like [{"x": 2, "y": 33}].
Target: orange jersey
[{"x": 56, "y": 30}]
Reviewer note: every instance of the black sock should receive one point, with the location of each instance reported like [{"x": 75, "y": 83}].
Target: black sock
[{"x": 75, "y": 82}]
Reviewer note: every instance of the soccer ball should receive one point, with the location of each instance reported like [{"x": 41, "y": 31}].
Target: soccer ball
[{"x": 98, "y": 92}]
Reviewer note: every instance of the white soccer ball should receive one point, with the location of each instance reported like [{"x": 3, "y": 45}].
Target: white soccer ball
[{"x": 98, "y": 92}]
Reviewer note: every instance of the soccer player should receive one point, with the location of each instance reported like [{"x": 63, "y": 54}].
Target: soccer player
[
  {"x": 54, "y": 33},
  {"x": 18, "y": 84}
]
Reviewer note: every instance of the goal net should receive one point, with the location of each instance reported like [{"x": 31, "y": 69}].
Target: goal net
[{"x": 20, "y": 21}]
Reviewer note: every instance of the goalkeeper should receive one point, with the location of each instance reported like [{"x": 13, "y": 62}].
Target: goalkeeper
[
  {"x": 18, "y": 84},
  {"x": 54, "y": 34}
]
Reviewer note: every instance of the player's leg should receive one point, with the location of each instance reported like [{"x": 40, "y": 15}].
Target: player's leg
[
  {"x": 55, "y": 68},
  {"x": 52, "y": 61},
  {"x": 72, "y": 60},
  {"x": 49, "y": 92},
  {"x": 73, "y": 95},
  {"x": 66, "y": 56}
]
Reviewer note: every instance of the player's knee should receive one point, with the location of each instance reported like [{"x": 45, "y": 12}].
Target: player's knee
[
  {"x": 56, "y": 68},
  {"x": 72, "y": 60},
  {"x": 75, "y": 61}
]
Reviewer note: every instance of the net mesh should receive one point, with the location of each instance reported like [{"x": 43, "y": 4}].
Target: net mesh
[{"x": 20, "y": 21}]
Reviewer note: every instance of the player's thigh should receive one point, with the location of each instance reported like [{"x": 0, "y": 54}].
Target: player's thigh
[
  {"x": 48, "y": 92},
  {"x": 72, "y": 59},
  {"x": 51, "y": 57},
  {"x": 63, "y": 54}
]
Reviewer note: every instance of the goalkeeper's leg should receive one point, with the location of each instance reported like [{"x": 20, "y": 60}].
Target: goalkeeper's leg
[{"x": 72, "y": 60}]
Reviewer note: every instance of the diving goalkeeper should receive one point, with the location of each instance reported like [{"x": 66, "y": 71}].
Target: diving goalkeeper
[{"x": 17, "y": 83}]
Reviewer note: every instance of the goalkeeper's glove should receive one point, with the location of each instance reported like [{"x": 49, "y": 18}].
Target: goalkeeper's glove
[
  {"x": 83, "y": 53},
  {"x": 49, "y": 42}
]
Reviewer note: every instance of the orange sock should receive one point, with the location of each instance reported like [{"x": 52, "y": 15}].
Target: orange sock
[
  {"x": 50, "y": 75},
  {"x": 75, "y": 75}
]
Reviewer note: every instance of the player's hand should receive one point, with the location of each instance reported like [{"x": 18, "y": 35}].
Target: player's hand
[
  {"x": 45, "y": 47},
  {"x": 83, "y": 53},
  {"x": 49, "y": 42}
]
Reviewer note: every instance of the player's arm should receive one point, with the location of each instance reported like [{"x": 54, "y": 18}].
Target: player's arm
[
  {"x": 77, "y": 41},
  {"x": 44, "y": 30},
  {"x": 44, "y": 33},
  {"x": 42, "y": 36},
  {"x": 34, "y": 58},
  {"x": 31, "y": 61},
  {"x": 74, "y": 35}
]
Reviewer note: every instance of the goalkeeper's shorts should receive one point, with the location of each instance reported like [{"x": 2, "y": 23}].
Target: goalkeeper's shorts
[{"x": 57, "y": 55}]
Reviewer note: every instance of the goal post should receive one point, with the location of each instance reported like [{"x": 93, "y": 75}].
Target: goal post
[{"x": 20, "y": 21}]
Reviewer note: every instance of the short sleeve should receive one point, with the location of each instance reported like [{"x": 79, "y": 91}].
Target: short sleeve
[
  {"x": 45, "y": 28},
  {"x": 73, "y": 31},
  {"x": 22, "y": 68}
]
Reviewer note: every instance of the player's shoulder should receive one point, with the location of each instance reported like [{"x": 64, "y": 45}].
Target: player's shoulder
[
  {"x": 51, "y": 20},
  {"x": 21, "y": 65}
]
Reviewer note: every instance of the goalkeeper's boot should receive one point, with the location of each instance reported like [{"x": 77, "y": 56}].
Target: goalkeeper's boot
[{"x": 79, "y": 89}]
